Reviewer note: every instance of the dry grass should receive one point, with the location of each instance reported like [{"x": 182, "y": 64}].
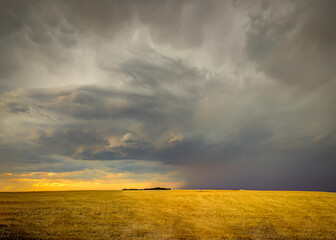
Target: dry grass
[{"x": 177, "y": 214}]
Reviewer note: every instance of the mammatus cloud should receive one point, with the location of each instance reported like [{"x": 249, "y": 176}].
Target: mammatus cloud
[{"x": 230, "y": 94}]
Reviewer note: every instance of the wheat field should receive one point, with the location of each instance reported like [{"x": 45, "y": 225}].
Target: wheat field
[{"x": 175, "y": 214}]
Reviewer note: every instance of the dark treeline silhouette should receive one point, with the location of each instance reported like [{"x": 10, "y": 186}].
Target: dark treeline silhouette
[{"x": 156, "y": 188}]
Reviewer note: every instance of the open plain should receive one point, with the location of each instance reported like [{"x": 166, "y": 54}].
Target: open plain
[{"x": 175, "y": 214}]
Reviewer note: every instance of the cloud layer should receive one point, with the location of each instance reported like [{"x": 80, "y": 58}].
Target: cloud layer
[{"x": 233, "y": 94}]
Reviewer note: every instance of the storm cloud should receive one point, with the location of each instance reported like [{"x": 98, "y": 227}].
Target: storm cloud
[{"x": 221, "y": 94}]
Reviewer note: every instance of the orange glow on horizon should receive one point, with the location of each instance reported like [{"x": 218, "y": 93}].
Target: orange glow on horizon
[{"x": 50, "y": 181}]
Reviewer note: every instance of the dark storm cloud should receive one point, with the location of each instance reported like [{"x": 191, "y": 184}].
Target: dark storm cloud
[
  {"x": 173, "y": 92},
  {"x": 15, "y": 107},
  {"x": 235, "y": 93},
  {"x": 295, "y": 45},
  {"x": 47, "y": 30},
  {"x": 169, "y": 22}
]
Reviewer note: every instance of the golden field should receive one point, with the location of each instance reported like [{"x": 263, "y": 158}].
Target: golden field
[{"x": 175, "y": 214}]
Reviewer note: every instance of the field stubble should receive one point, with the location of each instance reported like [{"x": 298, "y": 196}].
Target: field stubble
[{"x": 176, "y": 214}]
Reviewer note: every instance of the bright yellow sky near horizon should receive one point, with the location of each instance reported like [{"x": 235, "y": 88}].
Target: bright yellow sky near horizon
[{"x": 50, "y": 181}]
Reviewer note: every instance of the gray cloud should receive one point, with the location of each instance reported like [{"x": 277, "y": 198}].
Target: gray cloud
[
  {"x": 231, "y": 93},
  {"x": 295, "y": 45}
]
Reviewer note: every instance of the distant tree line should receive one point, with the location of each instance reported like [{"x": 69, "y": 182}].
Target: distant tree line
[{"x": 135, "y": 189}]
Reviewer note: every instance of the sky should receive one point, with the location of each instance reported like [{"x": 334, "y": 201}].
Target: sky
[{"x": 181, "y": 94}]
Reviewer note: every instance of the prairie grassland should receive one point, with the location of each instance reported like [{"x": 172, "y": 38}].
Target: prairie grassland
[{"x": 176, "y": 214}]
